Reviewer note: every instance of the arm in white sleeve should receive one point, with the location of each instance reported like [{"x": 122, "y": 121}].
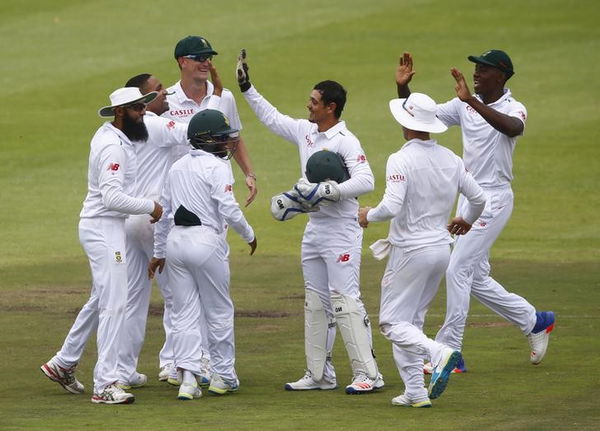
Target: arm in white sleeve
[
  {"x": 283, "y": 125},
  {"x": 112, "y": 161},
  {"x": 229, "y": 208},
  {"x": 166, "y": 132},
  {"x": 163, "y": 226},
  {"x": 474, "y": 194},
  {"x": 395, "y": 192},
  {"x": 361, "y": 177}
]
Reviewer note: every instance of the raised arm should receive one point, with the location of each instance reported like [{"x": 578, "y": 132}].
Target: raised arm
[
  {"x": 404, "y": 74},
  {"x": 510, "y": 126}
]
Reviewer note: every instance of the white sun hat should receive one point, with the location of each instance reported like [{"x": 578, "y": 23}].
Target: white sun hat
[
  {"x": 417, "y": 112},
  {"x": 126, "y": 96}
]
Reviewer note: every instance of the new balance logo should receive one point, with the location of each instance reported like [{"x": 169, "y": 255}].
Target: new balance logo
[{"x": 343, "y": 258}]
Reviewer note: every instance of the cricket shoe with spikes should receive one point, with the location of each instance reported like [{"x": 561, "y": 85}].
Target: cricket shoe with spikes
[
  {"x": 540, "y": 336},
  {"x": 404, "y": 401},
  {"x": 308, "y": 383},
  {"x": 220, "y": 386},
  {"x": 362, "y": 384},
  {"x": 165, "y": 372},
  {"x": 441, "y": 373},
  {"x": 189, "y": 391},
  {"x": 112, "y": 394},
  {"x": 63, "y": 376},
  {"x": 137, "y": 381}
]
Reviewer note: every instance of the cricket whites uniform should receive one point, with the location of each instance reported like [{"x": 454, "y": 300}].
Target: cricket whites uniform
[
  {"x": 111, "y": 183},
  {"x": 487, "y": 154},
  {"x": 332, "y": 241},
  {"x": 182, "y": 109},
  {"x": 197, "y": 259},
  {"x": 154, "y": 158},
  {"x": 422, "y": 183}
]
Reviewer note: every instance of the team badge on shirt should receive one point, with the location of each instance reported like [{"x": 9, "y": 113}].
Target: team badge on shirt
[
  {"x": 118, "y": 257},
  {"x": 361, "y": 158}
]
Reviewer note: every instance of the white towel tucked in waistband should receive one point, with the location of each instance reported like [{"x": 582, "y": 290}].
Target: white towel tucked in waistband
[{"x": 380, "y": 248}]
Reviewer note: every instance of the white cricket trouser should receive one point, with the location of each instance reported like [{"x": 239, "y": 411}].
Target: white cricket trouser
[
  {"x": 103, "y": 240},
  {"x": 331, "y": 256},
  {"x": 198, "y": 271},
  {"x": 468, "y": 273},
  {"x": 410, "y": 282},
  {"x": 139, "y": 242}
]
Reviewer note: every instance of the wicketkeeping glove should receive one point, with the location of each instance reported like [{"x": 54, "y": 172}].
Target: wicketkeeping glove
[
  {"x": 314, "y": 194},
  {"x": 241, "y": 70},
  {"x": 287, "y": 205}
]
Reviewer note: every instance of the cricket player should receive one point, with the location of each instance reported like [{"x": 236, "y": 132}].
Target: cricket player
[
  {"x": 111, "y": 182},
  {"x": 193, "y": 93},
  {"x": 155, "y": 157},
  {"x": 198, "y": 199},
  {"x": 491, "y": 121},
  {"x": 331, "y": 246},
  {"x": 422, "y": 183}
]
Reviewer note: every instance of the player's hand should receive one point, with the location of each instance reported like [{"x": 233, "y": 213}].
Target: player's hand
[
  {"x": 241, "y": 72},
  {"x": 253, "y": 190},
  {"x": 153, "y": 265},
  {"x": 458, "y": 226},
  {"x": 462, "y": 90},
  {"x": 156, "y": 213},
  {"x": 216, "y": 80},
  {"x": 404, "y": 71},
  {"x": 252, "y": 245},
  {"x": 362, "y": 217},
  {"x": 313, "y": 194}
]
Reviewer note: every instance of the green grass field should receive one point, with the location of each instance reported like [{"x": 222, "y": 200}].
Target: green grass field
[{"x": 61, "y": 59}]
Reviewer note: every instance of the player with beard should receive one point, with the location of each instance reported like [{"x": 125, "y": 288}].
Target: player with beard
[{"x": 111, "y": 178}]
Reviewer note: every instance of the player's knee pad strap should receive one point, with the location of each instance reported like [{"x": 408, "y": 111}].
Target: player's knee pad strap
[
  {"x": 316, "y": 328},
  {"x": 354, "y": 326}
]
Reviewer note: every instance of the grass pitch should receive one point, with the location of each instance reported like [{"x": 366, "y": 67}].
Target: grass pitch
[{"x": 61, "y": 60}]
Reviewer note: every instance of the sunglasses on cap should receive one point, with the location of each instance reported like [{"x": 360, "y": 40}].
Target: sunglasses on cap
[{"x": 200, "y": 58}]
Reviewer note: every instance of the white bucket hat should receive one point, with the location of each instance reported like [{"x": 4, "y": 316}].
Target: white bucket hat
[
  {"x": 417, "y": 112},
  {"x": 126, "y": 96}
]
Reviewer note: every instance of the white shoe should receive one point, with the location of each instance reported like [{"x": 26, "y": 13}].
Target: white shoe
[
  {"x": 362, "y": 384},
  {"x": 441, "y": 373},
  {"x": 63, "y": 376},
  {"x": 206, "y": 373},
  {"x": 538, "y": 341},
  {"x": 307, "y": 383},
  {"x": 219, "y": 386},
  {"x": 164, "y": 372},
  {"x": 176, "y": 377},
  {"x": 404, "y": 401},
  {"x": 112, "y": 394},
  {"x": 137, "y": 381},
  {"x": 189, "y": 391}
]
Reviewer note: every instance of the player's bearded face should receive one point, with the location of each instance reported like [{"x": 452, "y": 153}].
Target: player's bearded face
[{"x": 134, "y": 126}]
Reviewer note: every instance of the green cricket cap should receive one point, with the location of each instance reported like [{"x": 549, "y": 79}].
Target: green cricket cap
[
  {"x": 193, "y": 45},
  {"x": 495, "y": 58}
]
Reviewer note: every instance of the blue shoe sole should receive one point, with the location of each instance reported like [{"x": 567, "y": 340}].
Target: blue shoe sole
[{"x": 439, "y": 385}]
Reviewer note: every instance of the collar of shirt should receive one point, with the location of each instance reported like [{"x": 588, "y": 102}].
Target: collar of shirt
[
  {"x": 182, "y": 97},
  {"x": 505, "y": 96},
  {"x": 332, "y": 131},
  {"x": 428, "y": 143},
  {"x": 122, "y": 136},
  {"x": 150, "y": 114}
]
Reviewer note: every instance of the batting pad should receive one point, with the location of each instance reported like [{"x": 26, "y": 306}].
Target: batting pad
[
  {"x": 354, "y": 326},
  {"x": 316, "y": 326}
]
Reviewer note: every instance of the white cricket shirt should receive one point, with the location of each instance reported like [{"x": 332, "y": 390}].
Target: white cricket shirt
[
  {"x": 111, "y": 177},
  {"x": 487, "y": 153},
  {"x": 202, "y": 183},
  {"x": 154, "y": 157},
  {"x": 306, "y": 136},
  {"x": 423, "y": 180}
]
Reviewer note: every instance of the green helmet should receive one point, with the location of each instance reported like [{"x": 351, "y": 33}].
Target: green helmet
[
  {"x": 326, "y": 165},
  {"x": 209, "y": 130}
]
